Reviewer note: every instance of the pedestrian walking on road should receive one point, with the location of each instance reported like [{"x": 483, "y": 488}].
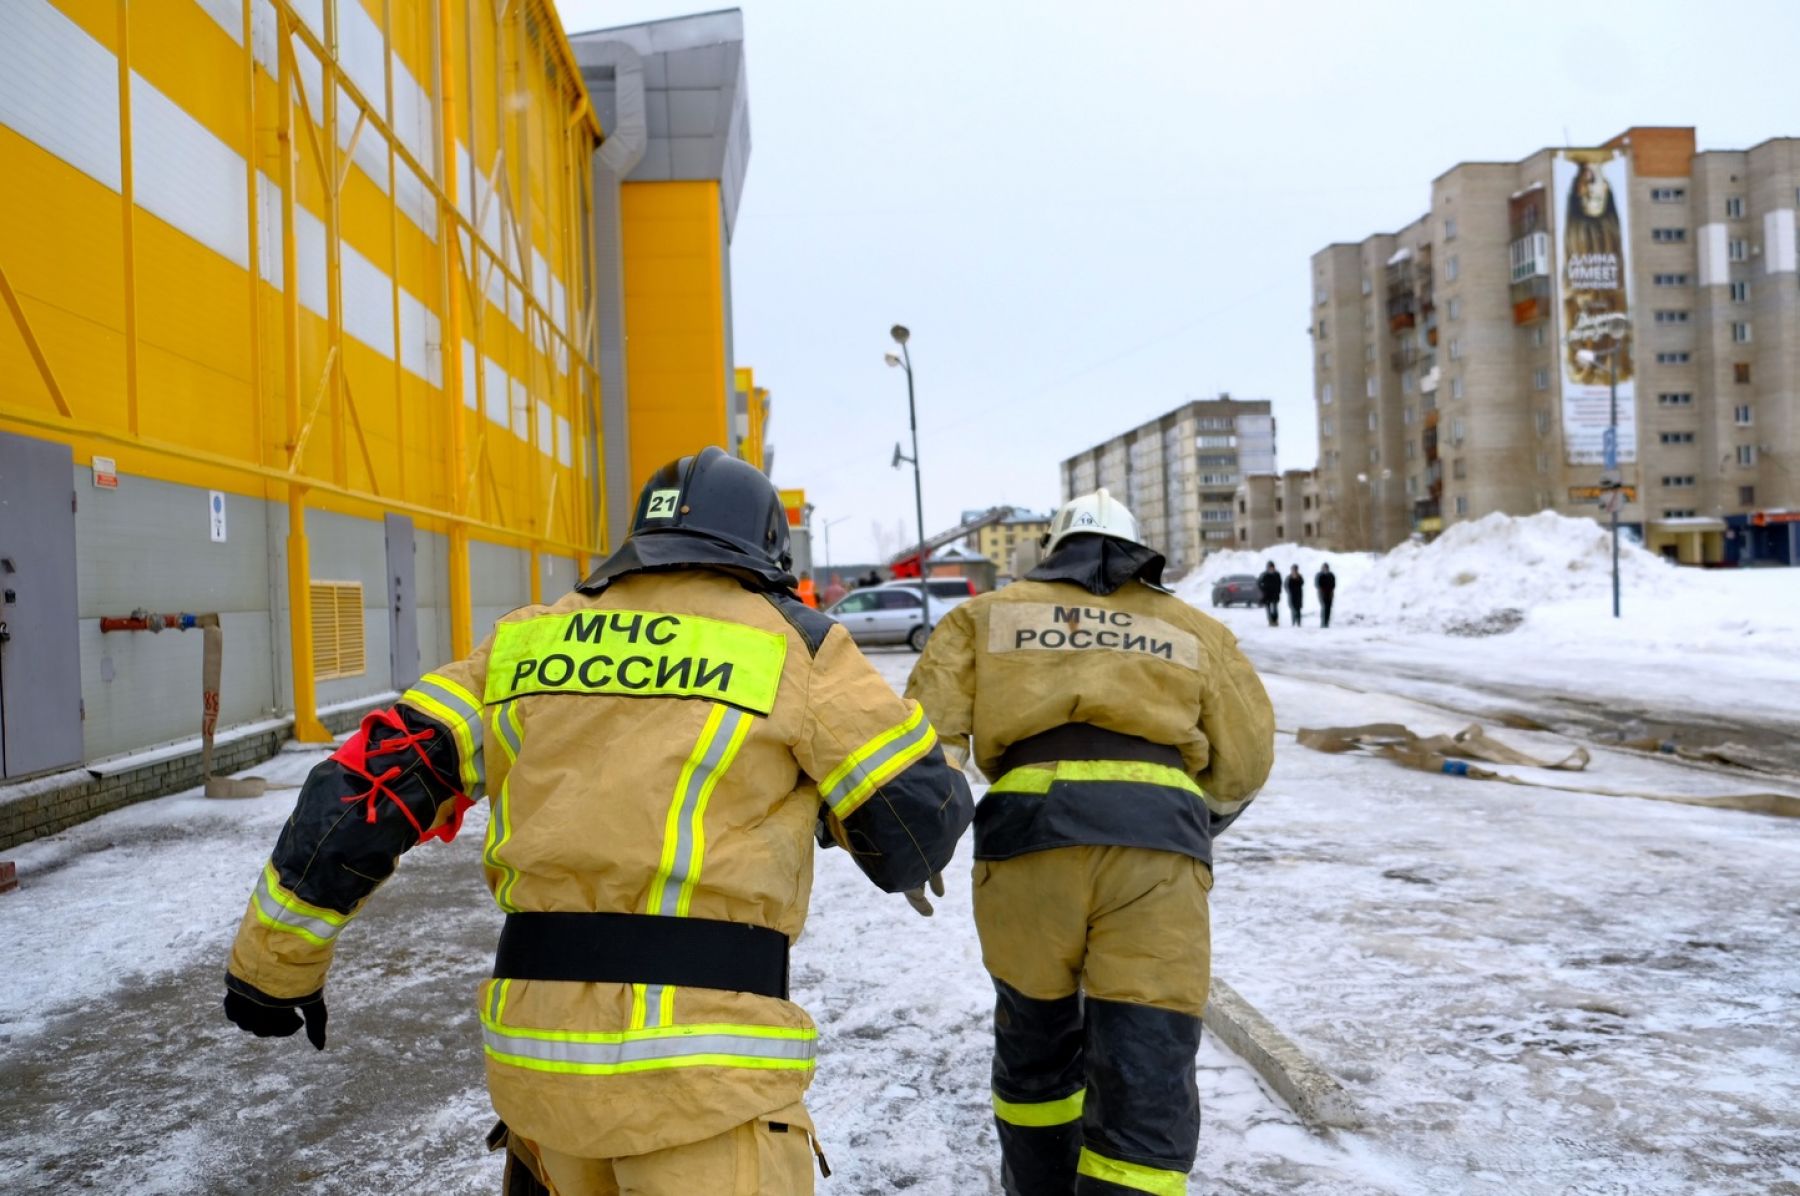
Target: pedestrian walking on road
[
  {"x": 1268, "y": 584},
  {"x": 658, "y": 748},
  {"x": 834, "y": 590},
  {"x": 1325, "y": 582},
  {"x": 1296, "y": 592},
  {"x": 1123, "y": 730}
]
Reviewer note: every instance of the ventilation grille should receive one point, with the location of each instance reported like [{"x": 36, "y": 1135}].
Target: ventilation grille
[{"x": 337, "y": 630}]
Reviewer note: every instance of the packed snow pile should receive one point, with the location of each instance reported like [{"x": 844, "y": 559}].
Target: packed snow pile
[
  {"x": 1487, "y": 575},
  {"x": 1484, "y": 577}
]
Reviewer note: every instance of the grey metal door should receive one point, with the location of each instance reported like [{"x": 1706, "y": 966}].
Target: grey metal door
[
  {"x": 403, "y": 611},
  {"x": 40, "y": 647}
]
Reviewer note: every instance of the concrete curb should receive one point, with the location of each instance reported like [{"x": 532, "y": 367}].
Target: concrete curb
[{"x": 1309, "y": 1090}]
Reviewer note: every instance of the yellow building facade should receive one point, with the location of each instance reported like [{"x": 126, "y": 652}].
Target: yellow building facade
[{"x": 304, "y": 297}]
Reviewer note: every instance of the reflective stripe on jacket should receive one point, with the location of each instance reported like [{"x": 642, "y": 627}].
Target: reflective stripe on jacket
[{"x": 664, "y": 747}]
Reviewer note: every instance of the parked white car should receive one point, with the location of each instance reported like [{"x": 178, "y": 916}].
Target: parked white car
[{"x": 889, "y": 613}]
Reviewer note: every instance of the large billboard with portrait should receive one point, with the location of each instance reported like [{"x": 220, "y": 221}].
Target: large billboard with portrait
[{"x": 1593, "y": 293}]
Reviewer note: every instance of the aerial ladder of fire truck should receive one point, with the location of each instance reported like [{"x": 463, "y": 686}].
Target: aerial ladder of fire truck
[{"x": 906, "y": 564}]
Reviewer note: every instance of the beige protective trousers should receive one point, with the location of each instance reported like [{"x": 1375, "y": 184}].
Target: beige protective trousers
[{"x": 771, "y": 1156}]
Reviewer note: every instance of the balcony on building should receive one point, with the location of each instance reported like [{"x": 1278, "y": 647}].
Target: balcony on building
[{"x": 1402, "y": 298}]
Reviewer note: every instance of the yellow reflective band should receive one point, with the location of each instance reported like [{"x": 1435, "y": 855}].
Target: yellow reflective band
[
  {"x": 876, "y": 763},
  {"x": 769, "y": 1048},
  {"x": 278, "y": 909},
  {"x": 697, "y": 829},
  {"x": 1043, "y": 1112},
  {"x": 500, "y": 823},
  {"x": 458, "y": 709},
  {"x": 1132, "y": 1175},
  {"x": 1037, "y": 778},
  {"x": 637, "y": 654}
]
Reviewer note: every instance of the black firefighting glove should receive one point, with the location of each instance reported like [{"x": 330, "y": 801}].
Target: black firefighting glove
[
  {"x": 256, "y": 1012},
  {"x": 916, "y": 897}
]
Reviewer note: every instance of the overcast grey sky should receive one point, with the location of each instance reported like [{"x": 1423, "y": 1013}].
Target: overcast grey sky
[{"x": 1089, "y": 212}]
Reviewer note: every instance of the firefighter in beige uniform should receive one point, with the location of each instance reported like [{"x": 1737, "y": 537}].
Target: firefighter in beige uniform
[
  {"x": 657, "y": 748},
  {"x": 1122, "y": 730}
]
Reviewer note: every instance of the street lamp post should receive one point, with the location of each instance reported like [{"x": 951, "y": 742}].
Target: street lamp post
[
  {"x": 901, "y": 335},
  {"x": 1611, "y": 478}
]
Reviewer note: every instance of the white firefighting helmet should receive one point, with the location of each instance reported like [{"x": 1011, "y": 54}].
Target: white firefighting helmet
[{"x": 1096, "y": 514}]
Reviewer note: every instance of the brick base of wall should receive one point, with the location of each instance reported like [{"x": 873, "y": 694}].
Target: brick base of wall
[
  {"x": 9, "y": 876},
  {"x": 44, "y": 807}
]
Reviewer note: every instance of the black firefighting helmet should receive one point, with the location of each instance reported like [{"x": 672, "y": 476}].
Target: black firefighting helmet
[{"x": 707, "y": 511}]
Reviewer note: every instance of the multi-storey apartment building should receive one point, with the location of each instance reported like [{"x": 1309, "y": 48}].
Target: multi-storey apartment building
[
  {"x": 1179, "y": 473},
  {"x": 1463, "y": 364},
  {"x": 999, "y": 542},
  {"x": 1279, "y": 508}
]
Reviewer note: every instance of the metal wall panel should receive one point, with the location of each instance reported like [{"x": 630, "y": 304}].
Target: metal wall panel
[
  {"x": 40, "y": 661},
  {"x": 403, "y": 621}
]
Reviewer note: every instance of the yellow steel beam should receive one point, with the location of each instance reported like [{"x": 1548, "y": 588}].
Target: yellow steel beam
[
  {"x": 462, "y": 616},
  {"x": 297, "y": 442},
  {"x": 307, "y": 727},
  {"x": 334, "y": 252},
  {"x": 32, "y": 347},
  {"x": 393, "y": 174},
  {"x": 426, "y": 177},
  {"x": 362, "y": 441},
  {"x": 253, "y": 225}
]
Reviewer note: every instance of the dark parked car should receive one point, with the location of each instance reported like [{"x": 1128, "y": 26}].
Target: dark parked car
[{"x": 1239, "y": 589}]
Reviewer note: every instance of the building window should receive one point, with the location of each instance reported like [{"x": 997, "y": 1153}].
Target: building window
[
  {"x": 1668, "y": 194},
  {"x": 1740, "y": 372},
  {"x": 1456, "y": 430},
  {"x": 1670, "y": 280},
  {"x": 1450, "y": 228},
  {"x": 1368, "y": 352},
  {"x": 1543, "y": 463},
  {"x": 1327, "y": 426},
  {"x": 1278, "y": 504},
  {"x": 1462, "y": 505},
  {"x": 1678, "y": 481},
  {"x": 1679, "y": 398},
  {"x": 1540, "y": 378},
  {"x": 1537, "y": 337},
  {"x": 1242, "y": 535},
  {"x": 1740, "y": 292},
  {"x": 1455, "y": 349},
  {"x": 1411, "y": 450},
  {"x": 1319, "y": 297},
  {"x": 1456, "y": 387},
  {"x": 1678, "y": 513},
  {"x": 1459, "y": 468},
  {"x": 1676, "y": 437},
  {"x": 1325, "y": 361},
  {"x": 1741, "y": 415},
  {"x": 1374, "y": 456},
  {"x": 1412, "y": 485},
  {"x": 1370, "y": 387},
  {"x": 1746, "y": 496},
  {"x": 1740, "y": 331},
  {"x": 1668, "y": 236},
  {"x": 1671, "y": 317},
  {"x": 1679, "y": 357},
  {"x": 1455, "y": 307},
  {"x": 1406, "y": 383},
  {"x": 1372, "y": 421},
  {"x": 1543, "y": 423},
  {"x": 1451, "y": 268},
  {"x": 1734, "y": 207},
  {"x": 1746, "y": 454},
  {"x": 1306, "y": 528},
  {"x": 1324, "y": 332},
  {"x": 1325, "y": 395},
  {"x": 1737, "y": 249}
]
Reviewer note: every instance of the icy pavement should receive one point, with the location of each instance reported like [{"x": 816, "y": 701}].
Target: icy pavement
[{"x": 1527, "y": 990}]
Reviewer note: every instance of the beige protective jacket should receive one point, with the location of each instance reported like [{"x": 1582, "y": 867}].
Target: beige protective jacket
[
  {"x": 665, "y": 747},
  {"x": 1042, "y": 655}
]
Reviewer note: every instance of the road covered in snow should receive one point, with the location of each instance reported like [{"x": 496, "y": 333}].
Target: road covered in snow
[{"x": 1525, "y": 989}]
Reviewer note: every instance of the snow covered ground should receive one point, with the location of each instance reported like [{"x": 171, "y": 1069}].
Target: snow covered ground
[{"x": 1527, "y": 990}]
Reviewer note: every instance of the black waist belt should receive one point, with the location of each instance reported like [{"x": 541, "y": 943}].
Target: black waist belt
[
  {"x": 643, "y": 949},
  {"x": 1083, "y": 741}
]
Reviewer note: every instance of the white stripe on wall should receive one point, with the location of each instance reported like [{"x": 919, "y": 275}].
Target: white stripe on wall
[{"x": 59, "y": 88}]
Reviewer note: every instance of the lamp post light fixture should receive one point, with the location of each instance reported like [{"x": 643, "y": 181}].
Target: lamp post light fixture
[{"x": 901, "y": 335}]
